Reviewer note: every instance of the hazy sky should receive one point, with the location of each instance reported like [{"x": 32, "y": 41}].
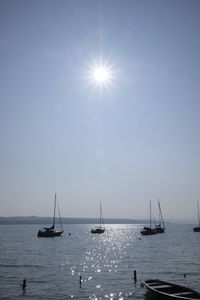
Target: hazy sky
[{"x": 125, "y": 144}]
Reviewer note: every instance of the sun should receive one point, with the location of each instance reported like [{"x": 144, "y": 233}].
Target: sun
[{"x": 101, "y": 74}]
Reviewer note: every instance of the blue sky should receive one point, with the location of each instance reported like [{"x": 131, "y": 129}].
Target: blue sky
[{"x": 123, "y": 145}]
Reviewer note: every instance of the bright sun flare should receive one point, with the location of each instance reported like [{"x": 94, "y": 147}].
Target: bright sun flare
[{"x": 101, "y": 74}]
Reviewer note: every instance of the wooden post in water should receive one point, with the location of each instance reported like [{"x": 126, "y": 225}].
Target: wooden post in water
[{"x": 135, "y": 276}]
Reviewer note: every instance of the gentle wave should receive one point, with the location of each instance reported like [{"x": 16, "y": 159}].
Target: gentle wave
[{"x": 84, "y": 266}]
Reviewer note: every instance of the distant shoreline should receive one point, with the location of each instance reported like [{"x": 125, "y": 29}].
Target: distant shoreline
[{"x": 48, "y": 220}]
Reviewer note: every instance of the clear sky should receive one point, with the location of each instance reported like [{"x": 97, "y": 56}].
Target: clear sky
[{"x": 132, "y": 140}]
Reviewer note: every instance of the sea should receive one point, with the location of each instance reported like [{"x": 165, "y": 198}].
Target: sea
[{"x": 81, "y": 265}]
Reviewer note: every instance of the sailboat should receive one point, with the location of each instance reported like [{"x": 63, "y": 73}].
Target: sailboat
[
  {"x": 50, "y": 231},
  {"x": 197, "y": 229},
  {"x": 148, "y": 230},
  {"x": 160, "y": 227},
  {"x": 99, "y": 229}
]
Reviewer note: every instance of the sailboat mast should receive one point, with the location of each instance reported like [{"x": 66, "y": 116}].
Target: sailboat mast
[
  {"x": 150, "y": 213},
  {"x": 54, "y": 213},
  {"x": 159, "y": 213},
  {"x": 100, "y": 214},
  {"x": 198, "y": 212}
]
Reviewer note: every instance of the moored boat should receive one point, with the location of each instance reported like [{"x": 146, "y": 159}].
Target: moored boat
[
  {"x": 100, "y": 229},
  {"x": 196, "y": 229},
  {"x": 170, "y": 291},
  {"x": 148, "y": 230},
  {"x": 160, "y": 227},
  {"x": 50, "y": 231}
]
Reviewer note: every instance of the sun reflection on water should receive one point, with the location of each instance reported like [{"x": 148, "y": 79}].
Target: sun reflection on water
[
  {"x": 103, "y": 261},
  {"x": 101, "y": 267}
]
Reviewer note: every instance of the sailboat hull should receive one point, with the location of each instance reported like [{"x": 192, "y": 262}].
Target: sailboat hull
[
  {"x": 159, "y": 229},
  {"x": 196, "y": 229},
  {"x": 98, "y": 230},
  {"x": 49, "y": 233},
  {"x": 148, "y": 231},
  {"x": 164, "y": 290}
]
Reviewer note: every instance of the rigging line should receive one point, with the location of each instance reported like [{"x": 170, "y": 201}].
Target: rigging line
[
  {"x": 59, "y": 215},
  {"x": 162, "y": 220}
]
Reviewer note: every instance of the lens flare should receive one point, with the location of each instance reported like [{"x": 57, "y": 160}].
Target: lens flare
[{"x": 101, "y": 74}]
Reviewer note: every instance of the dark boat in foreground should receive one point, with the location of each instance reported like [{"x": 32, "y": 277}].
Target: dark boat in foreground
[
  {"x": 99, "y": 229},
  {"x": 50, "y": 231},
  {"x": 169, "y": 291},
  {"x": 197, "y": 229}
]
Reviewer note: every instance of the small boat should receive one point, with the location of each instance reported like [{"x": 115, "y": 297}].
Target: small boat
[
  {"x": 99, "y": 229},
  {"x": 160, "y": 227},
  {"x": 197, "y": 229},
  {"x": 169, "y": 291},
  {"x": 149, "y": 230},
  {"x": 50, "y": 231}
]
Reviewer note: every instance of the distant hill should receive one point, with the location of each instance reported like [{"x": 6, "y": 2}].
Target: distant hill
[{"x": 48, "y": 220}]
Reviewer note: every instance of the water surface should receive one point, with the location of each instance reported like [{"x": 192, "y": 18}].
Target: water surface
[{"x": 106, "y": 263}]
